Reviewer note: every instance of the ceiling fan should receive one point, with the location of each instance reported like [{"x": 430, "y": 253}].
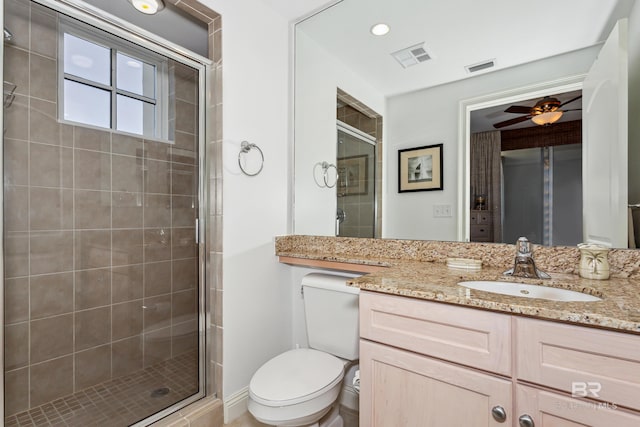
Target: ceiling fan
[{"x": 546, "y": 111}]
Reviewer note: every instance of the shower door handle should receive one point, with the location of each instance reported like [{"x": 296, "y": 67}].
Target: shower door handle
[{"x": 197, "y": 231}]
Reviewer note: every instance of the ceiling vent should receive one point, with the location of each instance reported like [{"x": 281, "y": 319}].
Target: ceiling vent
[
  {"x": 412, "y": 55},
  {"x": 481, "y": 66}
]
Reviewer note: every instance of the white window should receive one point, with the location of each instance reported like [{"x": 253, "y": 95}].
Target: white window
[{"x": 111, "y": 83}]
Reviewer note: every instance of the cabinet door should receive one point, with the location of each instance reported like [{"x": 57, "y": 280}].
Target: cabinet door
[
  {"x": 403, "y": 389},
  {"x": 549, "y": 409},
  {"x": 602, "y": 365}
]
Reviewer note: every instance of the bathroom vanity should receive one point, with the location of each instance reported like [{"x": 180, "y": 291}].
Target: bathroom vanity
[
  {"x": 433, "y": 353},
  {"x": 431, "y": 364}
]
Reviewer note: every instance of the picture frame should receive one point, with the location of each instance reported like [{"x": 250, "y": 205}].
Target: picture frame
[
  {"x": 352, "y": 175},
  {"x": 420, "y": 169}
]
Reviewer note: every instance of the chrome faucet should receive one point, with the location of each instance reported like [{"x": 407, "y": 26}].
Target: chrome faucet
[{"x": 523, "y": 265}]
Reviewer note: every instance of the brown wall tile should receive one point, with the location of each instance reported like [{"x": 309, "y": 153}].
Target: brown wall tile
[
  {"x": 51, "y": 337},
  {"x": 51, "y": 380},
  {"x": 92, "y": 367},
  {"x": 127, "y": 283},
  {"x": 92, "y": 328},
  {"x": 126, "y": 356},
  {"x": 92, "y": 288},
  {"x": 127, "y": 173},
  {"x": 127, "y": 319},
  {"x": 16, "y": 300},
  {"x": 157, "y": 312},
  {"x": 93, "y": 170},
  {"x": 93, "y": 249},
  {"x": 16, "y": 343},
  {"x": 51, "y": 294},
  {"x": 157, "y": 278},
  {"x": 92, "y": 209},
  {"x": 16, "y": 391},
  {"x": 157, "y": 346},
  {"x": 157, "y": 245},
  {"x": 16, "y": 159},
  {"x": 127, "y": 247},
  {"x": 126, "y": 210},
  {"x": 51, "y": 251},
  {"x": 50, "y": 209}
]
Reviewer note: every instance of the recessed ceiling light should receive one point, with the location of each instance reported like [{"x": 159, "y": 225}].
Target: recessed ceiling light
[
  {"x": 149, "y": 7},
  {"x": 380, "y": 29}
]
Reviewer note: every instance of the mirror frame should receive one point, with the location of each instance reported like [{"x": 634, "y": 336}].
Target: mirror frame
[{"x": 466, "y": 106}]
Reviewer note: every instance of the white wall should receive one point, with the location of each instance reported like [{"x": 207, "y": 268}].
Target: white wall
[
  {"x": 318, "y": 75},
  {"x": 257, "y": 299},
  {"x": 634, "y": 104},
  {"x": 431, "y": 117}
]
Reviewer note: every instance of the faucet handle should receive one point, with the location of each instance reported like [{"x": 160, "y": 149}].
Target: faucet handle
[{"x": 523, "y": 246}]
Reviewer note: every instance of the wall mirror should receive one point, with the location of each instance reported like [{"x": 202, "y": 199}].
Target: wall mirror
[{"x": 430, "y": 78}]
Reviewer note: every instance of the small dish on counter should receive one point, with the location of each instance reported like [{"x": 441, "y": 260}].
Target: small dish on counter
[{"x": 464, "y": 263}]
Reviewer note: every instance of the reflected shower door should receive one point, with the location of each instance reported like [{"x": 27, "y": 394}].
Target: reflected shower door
[
  {"x": 101, "y": 286},
  {"x": 356, "y": 193}
]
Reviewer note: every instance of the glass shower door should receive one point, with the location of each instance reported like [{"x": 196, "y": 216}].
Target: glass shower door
[
  {"x": 356, "y": 207},
  {"x": 101, "y": 280}
]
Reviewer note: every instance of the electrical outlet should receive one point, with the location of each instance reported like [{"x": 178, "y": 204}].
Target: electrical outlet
[{"x": 442, "y": 211}]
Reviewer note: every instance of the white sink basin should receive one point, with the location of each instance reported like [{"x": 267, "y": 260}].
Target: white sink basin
[{"x": 529, "y": 291}]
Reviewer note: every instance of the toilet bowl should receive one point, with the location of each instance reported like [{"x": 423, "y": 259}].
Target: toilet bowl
[
  {"x": 301, "y": 387},
  {"x": 296, "y": 388}
]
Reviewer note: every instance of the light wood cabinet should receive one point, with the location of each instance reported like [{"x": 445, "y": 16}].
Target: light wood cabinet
[
  {"x": 402, "y": 388},
  {"x": 429, "y": 364}
]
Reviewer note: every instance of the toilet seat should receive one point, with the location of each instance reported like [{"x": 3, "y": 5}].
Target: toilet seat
[{"x": 294, "y": 377}]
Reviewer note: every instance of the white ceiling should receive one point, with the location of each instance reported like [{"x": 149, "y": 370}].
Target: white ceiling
[{"x": 456, "y": 34}]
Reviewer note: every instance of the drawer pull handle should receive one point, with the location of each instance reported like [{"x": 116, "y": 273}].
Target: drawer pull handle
[
  {"x": 526, "y": 421},
  {"x": 499, "y": 414}
]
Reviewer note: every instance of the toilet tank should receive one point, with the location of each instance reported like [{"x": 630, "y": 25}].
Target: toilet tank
[{"x": 331, "y": 313}]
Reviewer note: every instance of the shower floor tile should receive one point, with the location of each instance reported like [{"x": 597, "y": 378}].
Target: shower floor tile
[{"x": 119, "y": 402}]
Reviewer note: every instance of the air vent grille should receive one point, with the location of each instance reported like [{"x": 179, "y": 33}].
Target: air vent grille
[
  {"x": 481, "y": 66},
  {"x": 412, "y": 55}
]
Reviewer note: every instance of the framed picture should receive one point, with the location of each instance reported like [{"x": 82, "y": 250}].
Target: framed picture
[
  {"x": 352, "y": 175},
  {"x": 420, "y": 168}
]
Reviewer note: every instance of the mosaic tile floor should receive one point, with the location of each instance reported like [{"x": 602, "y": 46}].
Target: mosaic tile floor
[{"x": 119, "y": 402}]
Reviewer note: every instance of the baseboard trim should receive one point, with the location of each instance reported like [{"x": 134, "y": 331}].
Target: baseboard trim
[{"x": 236, "y": 405}]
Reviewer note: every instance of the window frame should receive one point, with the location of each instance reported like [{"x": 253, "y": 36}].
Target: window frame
[{"x": 116, "y": 45}]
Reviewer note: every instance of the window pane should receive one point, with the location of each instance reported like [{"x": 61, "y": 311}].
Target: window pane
[
  {"x": 136, "y": 116},
  {"x": 136, "y": 76},
  {"x": 87, "y": 104},
  {"x": 87, "y": 60}
]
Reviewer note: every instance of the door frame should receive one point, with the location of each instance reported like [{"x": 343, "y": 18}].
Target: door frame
[{"x": 466, "y": 106}]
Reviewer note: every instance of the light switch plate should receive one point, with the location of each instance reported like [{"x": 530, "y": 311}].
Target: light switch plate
[{"x": 442, "y": 211}]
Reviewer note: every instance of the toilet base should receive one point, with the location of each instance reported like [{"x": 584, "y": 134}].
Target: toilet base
[{"x": 332, "y": 419}]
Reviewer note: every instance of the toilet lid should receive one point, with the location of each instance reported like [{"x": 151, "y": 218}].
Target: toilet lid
[{"x": 295, "y": 376}]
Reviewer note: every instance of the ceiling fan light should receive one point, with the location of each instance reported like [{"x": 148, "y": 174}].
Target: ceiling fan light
[
  {"x": 148, "y": 7},
  {"x": 547, "y": 118}
]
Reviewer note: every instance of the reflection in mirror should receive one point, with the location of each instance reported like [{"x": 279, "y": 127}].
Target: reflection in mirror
[
  {"x": 525, "y": 178},
  {"x": 358, "y": 212},
  {"x": 427, "y": 103}
]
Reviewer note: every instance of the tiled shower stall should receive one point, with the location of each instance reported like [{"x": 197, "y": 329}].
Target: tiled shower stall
[{"x": 101, "y": 277}]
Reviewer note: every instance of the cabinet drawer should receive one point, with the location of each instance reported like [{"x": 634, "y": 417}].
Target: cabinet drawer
[
  {"x": 593, "y": 363},
  {"x": 484, "y": 218},
  {"x": 466, "y": 336},
  {"x": 480, "y": 231}
]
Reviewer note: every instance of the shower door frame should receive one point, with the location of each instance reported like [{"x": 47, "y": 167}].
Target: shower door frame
[{"x": 111, "y": 24}]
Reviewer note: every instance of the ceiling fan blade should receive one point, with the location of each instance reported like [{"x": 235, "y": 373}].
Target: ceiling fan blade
[
  {"x": 511, "y": 121},
  {"x": 574, "y": 109},
  {"x": 518, "y": 109},
  {"x": 570, "y": 101}
]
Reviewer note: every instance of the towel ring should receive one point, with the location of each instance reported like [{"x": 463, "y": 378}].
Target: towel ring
[
  {"x": 245, "y": 147},
  {"x": 325, "y": 174}
]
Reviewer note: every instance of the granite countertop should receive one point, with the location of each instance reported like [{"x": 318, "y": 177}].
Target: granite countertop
[
  {"x": 432, "y": 280},
  {"x": 619, "y": 308}
]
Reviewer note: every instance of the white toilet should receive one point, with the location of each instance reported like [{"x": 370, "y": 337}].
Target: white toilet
[{"x": 300, "y": 387}]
